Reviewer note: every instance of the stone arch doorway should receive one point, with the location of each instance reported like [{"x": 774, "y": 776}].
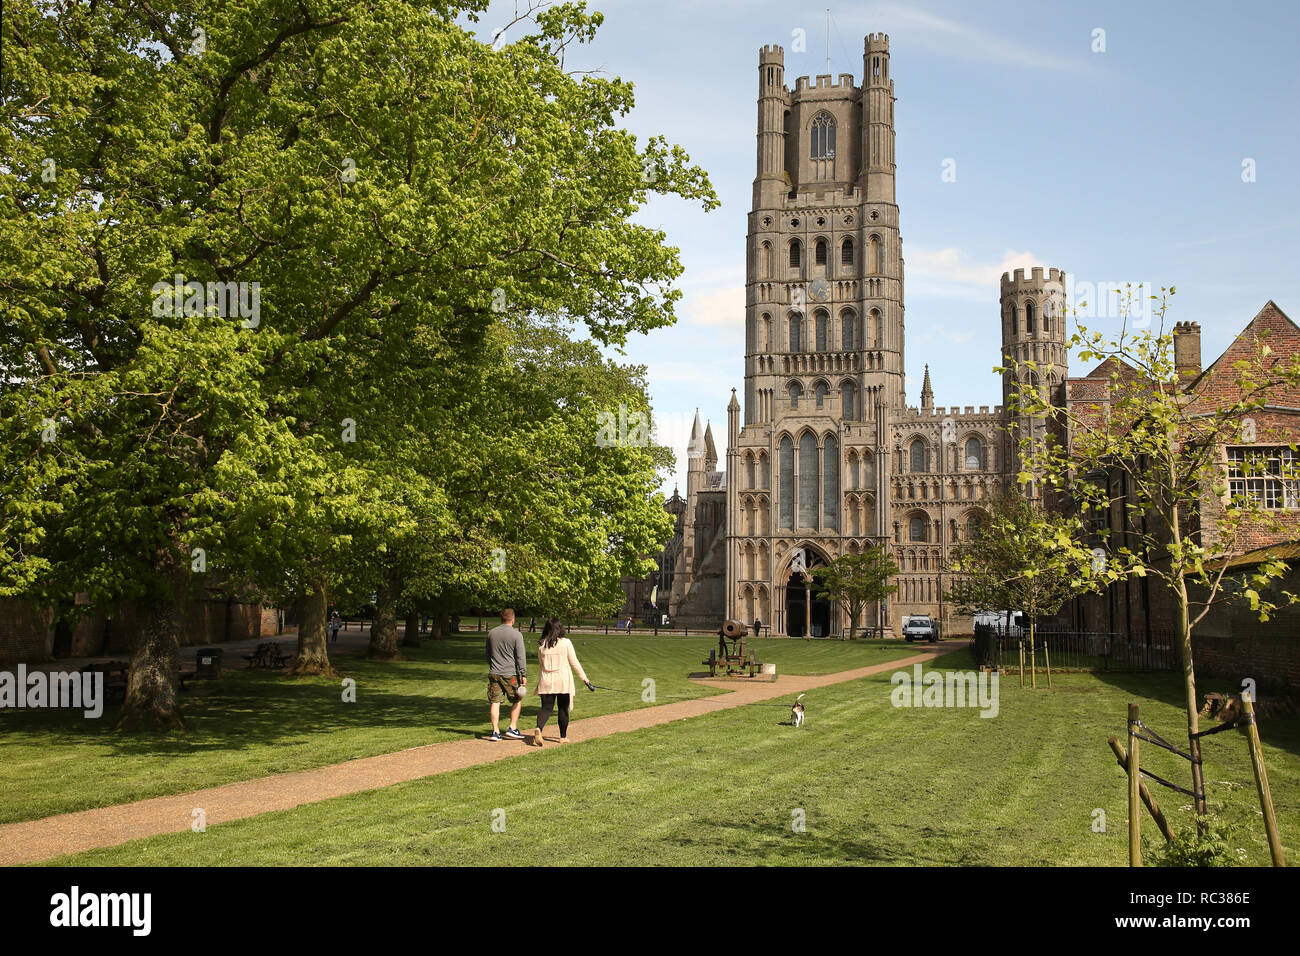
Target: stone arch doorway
[{"x": 807, "y": 614}]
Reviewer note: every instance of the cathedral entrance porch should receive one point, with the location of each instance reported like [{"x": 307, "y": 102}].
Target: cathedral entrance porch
[{"x": 807, "y": 608}]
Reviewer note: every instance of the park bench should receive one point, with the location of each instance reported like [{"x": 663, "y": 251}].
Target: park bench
[
  {"x": 268, "y": 654},
  {"x": 114, "y": 676}
]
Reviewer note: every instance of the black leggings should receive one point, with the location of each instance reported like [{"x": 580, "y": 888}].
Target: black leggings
[{"x": 548, "y": 704}]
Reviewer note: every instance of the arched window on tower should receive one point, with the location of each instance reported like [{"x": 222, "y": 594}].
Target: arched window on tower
[
  {"x": 796, "y": 253},
  {"x": 830, "y": 484},
  {"x": 820, "y": 253},
  {"x": 916, "y": 453},
  {"x": 876, "y": 256},
  {"x": 765, "y": 260},
  {"x": 846, "y": 251},
  {"x": 796, "y": 332},
  {"x": 917, "y": 528},
  {"x": 822, "y": 321},
  {"x": 973, "y": 525},
  {"x": 846, "y": 330},
  {"x": 820, "y": 391},
  {"x": 765, "y": 334},
  {"x": 974, "y": 454},
  {"x": 875, "y": 332},
  {"x": 1029, "y": 318},
  {"x": 786, "y": 474},
  {"x": 809, "y": 479},
  {"x": 796, "y": 392},
  {"x": 848, "y": 402},
  {"x": 823, "y": 137}
]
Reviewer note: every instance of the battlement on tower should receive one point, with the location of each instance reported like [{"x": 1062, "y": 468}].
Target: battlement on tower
[
  {"x": 914, "y": 414},
  {"x": 844, "y": 84},
  {"x": 772, "y": 54},
  {"x": 1010, "y": 280},
  {"x": 876, "y": 43}
]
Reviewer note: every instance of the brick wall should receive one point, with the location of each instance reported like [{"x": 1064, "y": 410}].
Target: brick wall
[{"x": 27, "y": 632}]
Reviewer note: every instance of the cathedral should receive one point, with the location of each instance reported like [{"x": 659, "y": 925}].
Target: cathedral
[{"x": 826, "y": 457}]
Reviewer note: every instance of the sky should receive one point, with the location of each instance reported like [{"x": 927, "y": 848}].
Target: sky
[{"x": 1170, "y": 157}]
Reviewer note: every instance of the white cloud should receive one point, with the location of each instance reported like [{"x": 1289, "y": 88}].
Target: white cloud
[
  {"x": 956, "y": 39},
  {"x": 721, "y": 307},
  {"x": 952, "y": 266}
]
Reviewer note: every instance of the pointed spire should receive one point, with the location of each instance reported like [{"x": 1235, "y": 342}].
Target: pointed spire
[
  {"x": 927, "y": 393},
  {"x": 695, "y": 447},
  {"x": 710, "y": 449},
  {"x": 733, "y": 405}
]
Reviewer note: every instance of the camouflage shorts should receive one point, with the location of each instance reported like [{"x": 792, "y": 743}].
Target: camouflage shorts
[{"x": 503, "y": 688}]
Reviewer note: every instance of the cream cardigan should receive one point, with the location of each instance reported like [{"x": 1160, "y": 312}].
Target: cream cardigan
[{"x": 554, "y": 664}]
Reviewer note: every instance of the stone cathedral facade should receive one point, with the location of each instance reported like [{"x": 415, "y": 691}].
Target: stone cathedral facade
[{"x": 825, "y": 456}]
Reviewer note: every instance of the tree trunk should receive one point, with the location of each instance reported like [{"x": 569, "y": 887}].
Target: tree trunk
[
  {"x": 412, "y": 636},
  {"x": 383, "y": 629},
  {"x": 153, "y": 682},
  {"x": 313, "y": 651},
  {"x": 1183, "y": 621}
]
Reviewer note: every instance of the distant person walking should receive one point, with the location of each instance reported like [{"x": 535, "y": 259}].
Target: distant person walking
[
  {"x": 335, "y": 623},
  {"x": 556, "y": 661},
  {"x": 507, "y": 674}
]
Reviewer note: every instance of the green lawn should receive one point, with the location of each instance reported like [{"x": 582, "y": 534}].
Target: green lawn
[
  {"x": 875, "y": 784},
  {"x": 253, "y": 723}
]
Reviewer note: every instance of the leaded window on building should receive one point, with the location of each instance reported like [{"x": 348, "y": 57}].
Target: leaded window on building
[
  {"x": 1265, "y": 477},
  {"x": 823, "y": 137}
]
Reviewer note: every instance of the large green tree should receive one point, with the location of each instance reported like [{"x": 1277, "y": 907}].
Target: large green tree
[
  {"x": 857, "y": 581},
  {"x": 378, "y": 190}
]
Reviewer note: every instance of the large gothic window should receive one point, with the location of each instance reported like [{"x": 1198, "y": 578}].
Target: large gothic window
[
  {"x": 808, "y": 480},
  {"x": 823, "y": 137},
  {"x": 974, "y": 454},
  {"x": 787, "y": 483},
  {"x": 917, "y": 454},
  {"x": 831, "y": 484},
  {"x": 796, "y": 328},
  {"x": 846, "y": 330},
  {"x": 823, "y": 320},
  {"x": 916, "y": 528}
]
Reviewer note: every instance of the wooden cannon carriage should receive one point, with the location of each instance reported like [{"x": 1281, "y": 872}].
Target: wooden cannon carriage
[{"x": 731, "y": 654}]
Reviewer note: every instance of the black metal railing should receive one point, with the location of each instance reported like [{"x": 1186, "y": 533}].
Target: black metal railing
[{"x": 1087, "y": 650}]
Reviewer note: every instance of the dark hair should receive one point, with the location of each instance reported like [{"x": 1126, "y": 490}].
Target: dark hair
[{"x": 552, "y": 631}]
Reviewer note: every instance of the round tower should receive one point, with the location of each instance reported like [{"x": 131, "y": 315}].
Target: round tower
[
  {"x": 1033, "y": 343},
  {"x": 771, "y": 126},
  {"x": 877, "y": 174}
]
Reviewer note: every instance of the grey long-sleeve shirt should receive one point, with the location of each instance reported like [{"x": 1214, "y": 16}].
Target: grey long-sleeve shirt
[{"x": 505, "y": 652}]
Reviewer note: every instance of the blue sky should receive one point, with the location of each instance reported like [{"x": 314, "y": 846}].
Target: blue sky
[{"x": 1123, "y": 165}]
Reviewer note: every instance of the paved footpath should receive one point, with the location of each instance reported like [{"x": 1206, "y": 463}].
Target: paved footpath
[{"x": 34, "y": 840}]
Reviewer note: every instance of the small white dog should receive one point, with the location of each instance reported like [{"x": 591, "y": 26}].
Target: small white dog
[{"x": 796, "y": 712}]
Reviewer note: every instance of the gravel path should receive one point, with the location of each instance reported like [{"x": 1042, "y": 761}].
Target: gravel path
[{"x": 35, "y": 840}]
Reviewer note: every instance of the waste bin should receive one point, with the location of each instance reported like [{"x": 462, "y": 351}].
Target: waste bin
[{"x": 208, "y": 662}]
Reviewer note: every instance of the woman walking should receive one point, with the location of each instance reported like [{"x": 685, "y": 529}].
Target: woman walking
[{"x": 556, "y": 661}]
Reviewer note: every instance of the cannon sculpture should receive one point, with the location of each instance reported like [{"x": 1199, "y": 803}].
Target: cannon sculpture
[{"x": 731, "y": 654}]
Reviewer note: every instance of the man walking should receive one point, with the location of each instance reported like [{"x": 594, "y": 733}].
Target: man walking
[{"x": 507, "y": 674}]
